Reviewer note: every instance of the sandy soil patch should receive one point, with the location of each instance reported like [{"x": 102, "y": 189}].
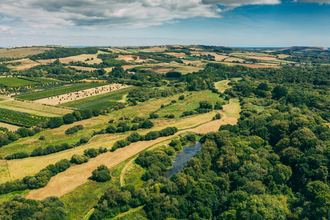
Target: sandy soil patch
[
  {"x": 24, "y": 64},
  {"x": 60, "y": 99},
  {"x": 90, "y": 69}
]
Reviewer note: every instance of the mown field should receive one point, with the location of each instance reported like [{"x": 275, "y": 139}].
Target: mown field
[
  {"x": 65, "y": 89},
  {"x": 15, "y": 82},
  {"x": 102, "y": 101}
]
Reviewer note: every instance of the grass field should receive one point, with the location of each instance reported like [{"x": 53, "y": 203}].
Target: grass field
[
  {"x": 24, "y": 64},
  {"x": 20, "y": 52},
  {"x": 102, "y": 101},
  {"x": 41, "y": 79},
  {"x": 222, "y": 85},
  {"x": 65, "y": 89},
  {"x": 9, "y": 126},
  {"x": 34, "y": 108},
  {"x": 15, "y": 82}
]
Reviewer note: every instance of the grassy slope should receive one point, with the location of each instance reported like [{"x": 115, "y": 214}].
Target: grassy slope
[
  {"x": 63, "y": 90},
  {"x": 15, "y": 82}
]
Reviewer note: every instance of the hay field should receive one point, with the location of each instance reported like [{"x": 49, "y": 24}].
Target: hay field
[
  {"x": 187, "y": 69},
  {"x": 72, "y": 96},
  {"x": 161, "y": 69},
  {"x": 34, "y": 108},
  {"x": 154, "y": 49},
  {"x": 15, "y": 82},
  {"x": 217, "y": 56},
  {"x": 231, "y": 59},
  {"x": 282, "y": 56},
  {"x": 131, "y": 58},
  {"x": 9, "y": 126},
  {"x": 65, "y": 89},
  {"x": 90, "y": 69},
  {"x": 83, "y": 58},
  {"x": 25, "y": 64},
  {"x": 176, "y": 54},
  {"x": 20, "y": 52}
]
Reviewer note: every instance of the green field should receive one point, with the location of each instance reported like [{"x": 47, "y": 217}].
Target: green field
[
  {"x": 41, "y": 80},
  {"x": 191, "y": 58},
  {"x": 102, "y": 101},
  {"x": 15, "y": 82},
  {"x": 72, "y": 88}
]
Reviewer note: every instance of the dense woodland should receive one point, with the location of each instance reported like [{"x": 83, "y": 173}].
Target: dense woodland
[{"x": 274, "y": 164}]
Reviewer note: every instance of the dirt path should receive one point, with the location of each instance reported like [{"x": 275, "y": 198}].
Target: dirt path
[
  {"x": 77, "y": 175},
  {"x": 124, "y": 170}
]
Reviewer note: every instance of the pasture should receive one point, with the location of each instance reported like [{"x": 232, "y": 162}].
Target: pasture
[
  {"x": 63, "y": 90},
  {"x": 85, "y": 58},
  {"x": 22, "y": 64},
  {"x": 82, "y": 94},
  {"x": 101, "y": 101},
  {"x": 234, "y": 59},
  {"x": 218, "y": 57},
  {"x": 9, "y": 126},
  {"x": 20, "y": 52},
  {"x": 15, "y": 82},
  {"x": 34, "y": 108},
  {"x": 154, "y": 49}
]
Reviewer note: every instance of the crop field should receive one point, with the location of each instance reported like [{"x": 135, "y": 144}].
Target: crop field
[
  {"x": 160, "y": 69},
  {"x": 187, "y": 69},
  {"x": 83, "y": 58},
  {"x": 176, "y": 54},
  {"x": 19, "y": 52},
  {"x": 22, "y": 64},
  {"x": 154, "y": 49},
  {"x": 65, "y": 89},
  {"x": 15, "y": 82},
  {"x": 231, "y": 59},
  {"x": 217, "y": 56},
  {"x": 102, "y": 101},
  {"x": 90, "y": 69},
  {"x": 191, "y": 58},
  {"x": 34, "y": 108},
  {"x": 82, "y": 94}
]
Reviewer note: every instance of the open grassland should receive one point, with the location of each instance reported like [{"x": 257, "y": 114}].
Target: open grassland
[
  {"x": 154, "y": 49},
  {"x": 34, "y": 108},
  {"x": 131, "y": 58},
  {"x": 222, "y": 85},
  {"x": 190, "y": 103},
  {"x": 82, "y": 94},
  {"x": 232, "y": 59},
  {"x": 218, "y": 57},
  {"x": 15, "y": 82},
  {"x": 187, "y": 69},
  {"x": 160, "y": 69},
  {"x": 22, "y": 64},
  {"x": 4, "y": 171},
  {"x": 85, "y": 58},
  {"x": 65, "y": 89},
  {"x": 102, "y": 101},
  {"x": 197, "y": 63},
  {"x": 82, "y": 68},
  {"x": 254, "y": 66},
  {"x": 9, "y": 126},
  {"x": 41, "y": 79},
  {"x": 20, "y": 52},
  {"x": 176, "y": 54}
]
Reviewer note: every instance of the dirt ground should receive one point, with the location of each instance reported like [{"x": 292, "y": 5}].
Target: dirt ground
[{"x": 55, "y": 100}]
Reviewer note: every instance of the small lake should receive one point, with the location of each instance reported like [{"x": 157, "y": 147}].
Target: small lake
[{"x": 182, "y": 158}]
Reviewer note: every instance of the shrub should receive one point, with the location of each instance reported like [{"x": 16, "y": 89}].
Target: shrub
[
  {"x": 111, "y": 121},
  {"x": 68, "y": 118},
  {"x": 42, "y": 137},
  {"x": 84, "y": 139},
  {"x": 170, "y": 152},
  {"x": 23, "y": 132},
  {"x": 168, "y": 131},
  {"x": 173, "y": 101},
  {"x": 96, "y": 112},
  {"x": 187, "y": 113},
  {"x": 135, "y": 127},
  {"x": 146, "y": 124},
  {"x": 218, "y": 106},
  {"x": 101, "y": 174},
  {"x": 121, "y": 144},
  {"x": 111, "y": 129},
  {"x": 152, "y": 135},
  {"x": 55, "y": 122},
  {"x": 91, "y": 152},
  {"x": 17, "y": 156},
  {"x": 134, "y": 137},
  {"x": 78, "y": 159},
  {"x": 102, "y": 150},
  {"x": 63, "y": 165},
  {"x": 181, "y": 97},
  {"x": 49, "y": 150},
  {"x": 153, "y": 115},
  {"x": 205, "y": 105},
  {"x": 37, "y": 152}
]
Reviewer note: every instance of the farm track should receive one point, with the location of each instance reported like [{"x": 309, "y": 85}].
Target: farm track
[{"x": 79, "y": 174}]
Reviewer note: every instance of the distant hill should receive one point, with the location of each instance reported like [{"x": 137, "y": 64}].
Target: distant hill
[{"x": 297, "y": 49}]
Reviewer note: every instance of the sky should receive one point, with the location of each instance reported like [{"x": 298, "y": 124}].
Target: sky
[{"x": 233, "y": 23}]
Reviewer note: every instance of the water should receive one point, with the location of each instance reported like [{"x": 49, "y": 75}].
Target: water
[{"x": 181, "y": 159}]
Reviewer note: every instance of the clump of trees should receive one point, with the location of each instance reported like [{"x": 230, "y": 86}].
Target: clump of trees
[
  {"x": 101, "y": 174},
  {"x": 74, "y": 129}
]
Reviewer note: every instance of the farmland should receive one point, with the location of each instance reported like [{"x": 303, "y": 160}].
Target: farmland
[
  {"x": 101, "y": 101},
  {"x": 15, "y": 82},
  {"x": 64, "y": 90},
  {"x": 19, "y": 52}
]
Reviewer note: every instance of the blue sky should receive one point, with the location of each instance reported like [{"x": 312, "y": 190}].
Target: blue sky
[{"x": 235, "y": 23}]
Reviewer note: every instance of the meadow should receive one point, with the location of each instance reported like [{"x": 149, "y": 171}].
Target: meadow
[
  {"x": 65, "y": 89},
  {"x": 15, "y": 82},
  {"x": 19, "y": 52}
]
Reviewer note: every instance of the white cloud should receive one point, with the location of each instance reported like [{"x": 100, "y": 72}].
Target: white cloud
[
  {"x": 314, "y": 1},
  {"x": 113, "y": 13}
]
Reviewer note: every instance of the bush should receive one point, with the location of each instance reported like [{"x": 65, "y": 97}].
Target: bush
[
  {"x": 63, "y": 165},
  {"x": 152, "y": 135},
  {"x": 111, "y": 129},
  {"x": 91, "y": 152},
  {"x": 218, "y": 106},
  {"x": 181, "y": 97},
  {"x": 173, "y": 74},
  {"x": 205, "y": 105},
  {"x": 134, "y": 137},
  {"x": 153, "y": 115},
  {"x": 84, "y": 139},
  {"x": 37, "y": 152},
  {"x": 168, "y": 131},
  {"x": 187, "y": 113},
  {"x": 101, "y": 174},
  {"x": 120, "y": 144},
  {"x": 79, "y": 159},
  {"x": 102, "y": 150},
  {"x": 55, "y": 122},
  {"x": 17, "y": 156},
  {"x": 49, "y": 150},
  {"x": 135, "y": 127},
  {"x": 68, "y": 118},
  {"x": 23, "y": 132},
  {"x": 96, "y": 112},
  {"x": 42, "y": 137},
  {"x": 173, "y": 101},
  {"x": 146, "y": 124}
]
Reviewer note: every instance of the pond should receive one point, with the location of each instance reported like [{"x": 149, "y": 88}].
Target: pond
[{"x": 182, "y": 158}]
